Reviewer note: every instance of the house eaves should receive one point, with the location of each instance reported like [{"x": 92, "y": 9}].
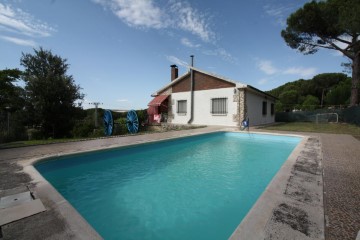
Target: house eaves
[
  {"x": 170, "y": 84},
  {"x": 254, "y": 89},
  {"x": 237, "y": 84}
]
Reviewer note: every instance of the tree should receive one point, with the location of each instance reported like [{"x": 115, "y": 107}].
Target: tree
[
  {"x": 331, "y": 88},
  {"x": 310, "y": 103},
  {"x": 51, "y": 92},
  {"x": 12, "y": 100},
  {"x": 324, "y": 82},
  {"x": 289, "y": 99},
  {"x": 11, "y": 96},
  {"x": 331, "y": 24},
  {"x": 339, "y": 94}
]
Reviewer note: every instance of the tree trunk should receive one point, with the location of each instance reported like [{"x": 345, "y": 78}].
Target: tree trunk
[{"x": 354, "y": 99}]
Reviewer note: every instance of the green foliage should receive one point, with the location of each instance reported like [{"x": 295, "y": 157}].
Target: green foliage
[
  {"x": 85, "y": 124},
  {"x": 12, "y": 101},
  {"x": 83, "y": 128},
  {"x": 143, "y": 119},
  {"x": 99, "y": 132},
  {"x": 47, "y": 103},
  {"x": 11, "y": 96},
  {"x": 35, "y": 134},
  {"x": 319, "y": 23},
  {"x": 51, "y": 93},
  {"x": 15, "y": 130},
  {"x": 120, "y": 126},
  {"x": 289, "y": 99},
  {"x": 142, "y": 115},
  {"x": 331, "y": 24},
  {"x": 339, "y": 94},
  {"x": 310, "y": 103},
  {"x": 333, "y": 88}
]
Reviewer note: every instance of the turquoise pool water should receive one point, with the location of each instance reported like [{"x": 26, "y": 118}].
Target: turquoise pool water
[{"x": 191, "y": 188}]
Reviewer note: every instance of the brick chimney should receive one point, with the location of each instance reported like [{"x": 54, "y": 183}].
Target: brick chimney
[{"x": 174, "y": 72}]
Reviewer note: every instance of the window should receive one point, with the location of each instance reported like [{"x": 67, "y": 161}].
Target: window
[
  {"x": 219, "y": 105},
  {"x": 272, "y": 109},
  {"x": 181, "y": 106},
  {"x": 264, "y": 108}
]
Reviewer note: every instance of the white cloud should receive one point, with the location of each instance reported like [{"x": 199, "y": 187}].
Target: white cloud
[
  {"x": 267, "y": 67},
  {"x": 19, "y": 41},
  {"x": 20, "y": 22},
  {"x": 279, "y": 13},
  {"x": 188, "y": 43},
  {"x": 222, "y": 53},
  {"x": 189, "y": 19},
  {"x": 263, "y": 81},
  {"x": 177, "y": 61},
  {"x": 175, "y": 15},
  {"x": 139, "y": 13},
  {"x": 303, "y": 72}
]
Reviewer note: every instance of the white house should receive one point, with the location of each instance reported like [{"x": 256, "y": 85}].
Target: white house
[{"x": 202, "y": 98}]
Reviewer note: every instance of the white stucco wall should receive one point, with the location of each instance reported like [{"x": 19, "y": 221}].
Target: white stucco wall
[
  {"x": 254, "y": 109},
  {"x": 202, "y": 107}
]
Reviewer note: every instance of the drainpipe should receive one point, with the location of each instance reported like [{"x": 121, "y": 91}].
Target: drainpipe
[{"x": 191, "y": 90}]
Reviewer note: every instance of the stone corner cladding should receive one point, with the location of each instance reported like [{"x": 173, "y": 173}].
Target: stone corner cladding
[
  {"x": 241, "y": 106},
  {"x": 240, "y": 98}
]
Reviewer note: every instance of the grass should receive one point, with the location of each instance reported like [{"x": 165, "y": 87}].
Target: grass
[
  {"x": 51, "y": 141},
  {"x": 335, "y": 128},
  {"x": 35, "y": 142}
]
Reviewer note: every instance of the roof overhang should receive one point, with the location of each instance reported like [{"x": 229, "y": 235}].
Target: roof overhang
[
  {"x": 170, "y": 84},
  {"x": 238, "y": 85},
  {"x": 158, "y": 100},
  {"x": 253, "y": 89}
]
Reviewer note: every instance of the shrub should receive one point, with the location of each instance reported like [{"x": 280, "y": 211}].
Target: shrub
[
  {"x": 35, "y": 134},
  {"x": 83, "y": 129}
]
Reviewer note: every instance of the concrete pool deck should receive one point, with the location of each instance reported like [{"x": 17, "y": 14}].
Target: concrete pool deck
[{"x": 338, "y": 154}]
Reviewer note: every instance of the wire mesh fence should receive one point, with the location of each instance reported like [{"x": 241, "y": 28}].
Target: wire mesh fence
[
  {"x": 352, "y": 115},
  {"x": 347, "y": 115}
]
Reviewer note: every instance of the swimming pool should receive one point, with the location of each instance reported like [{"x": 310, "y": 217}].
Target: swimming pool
[{"x": 195, "y": 187}]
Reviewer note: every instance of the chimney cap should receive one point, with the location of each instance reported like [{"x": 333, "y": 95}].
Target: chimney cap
[{"x": 173, "y": 66}]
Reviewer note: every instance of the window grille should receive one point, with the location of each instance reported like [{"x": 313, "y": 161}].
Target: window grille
[
  {"x": 219, "y": 105},
  {"x": 181, "y": 106}
]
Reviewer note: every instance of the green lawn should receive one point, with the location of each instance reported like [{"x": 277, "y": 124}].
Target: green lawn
[
  {"x": 336, "y": 128},
  {"x": 50, "y": 141}
]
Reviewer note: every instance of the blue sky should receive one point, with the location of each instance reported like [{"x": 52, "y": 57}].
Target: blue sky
[{"x": 120, "y": 51}]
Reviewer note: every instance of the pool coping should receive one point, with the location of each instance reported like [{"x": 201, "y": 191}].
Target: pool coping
[
  {"x": 254, "y": 223},
  {"x": 83, "y": 230},
  {"x": 259, "y": 222}
]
